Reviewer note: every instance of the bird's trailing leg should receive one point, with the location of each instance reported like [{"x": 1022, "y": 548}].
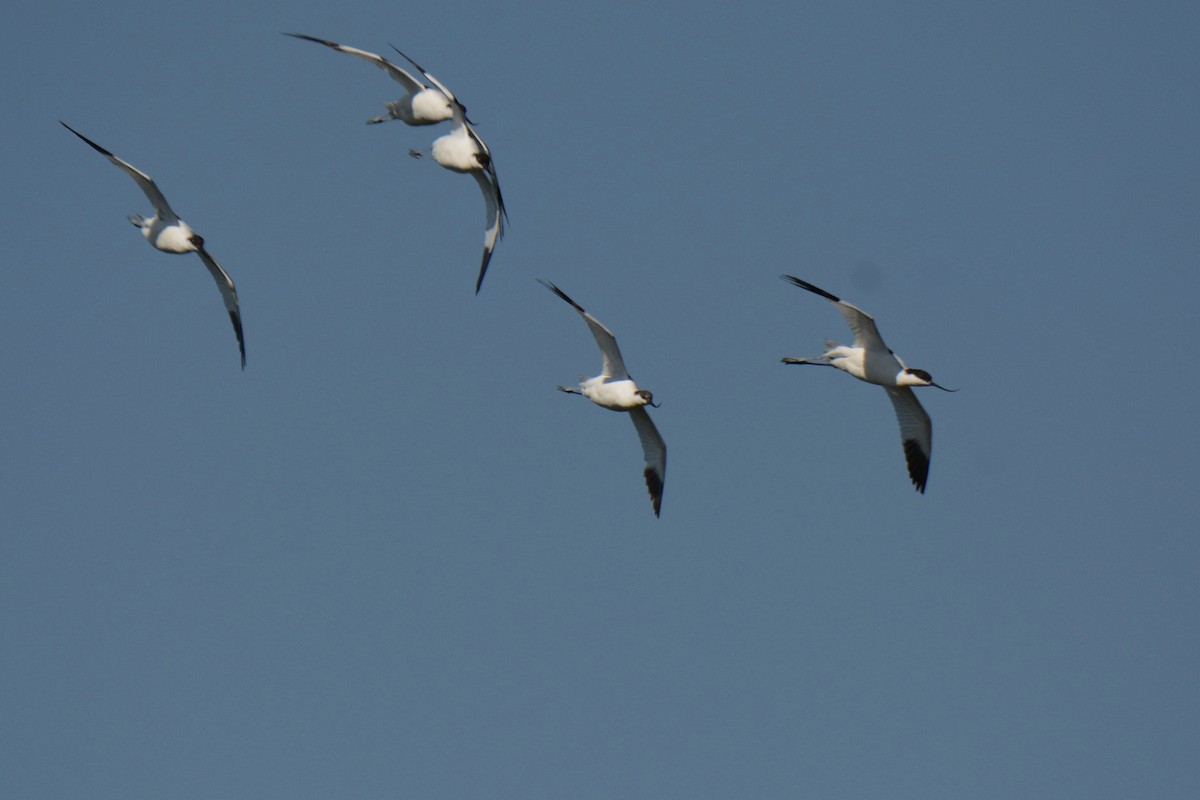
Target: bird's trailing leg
[
  {"x": 569, "y": 390},
  {"x": 391, "y": 115},
  {"x": 394, "y": 112},
  {"x": 138, "y": 220},
  {"x": 416, "y": 153}
]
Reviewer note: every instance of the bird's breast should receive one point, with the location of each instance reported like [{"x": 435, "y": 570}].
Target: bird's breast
[
  {"x": 427, "y": 107},
  {"x": 175, "y": 238},
  {"x": 456, "y": 152}
]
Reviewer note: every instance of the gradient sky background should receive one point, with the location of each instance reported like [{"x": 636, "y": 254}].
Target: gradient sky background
[{"x": 390, "y": 560}]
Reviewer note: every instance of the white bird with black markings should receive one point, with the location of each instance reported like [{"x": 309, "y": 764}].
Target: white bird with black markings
[
  {"x": 872, "y": 361},
  {"x": 463, "y": 150},
  {"x": 167, "y": 232},
  {"x": 615, "y": 390},
  {"x": 422, "y": 104}
]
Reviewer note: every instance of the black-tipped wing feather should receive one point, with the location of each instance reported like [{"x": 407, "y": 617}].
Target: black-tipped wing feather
[
  {"x": 229, "y": 296},
  {"x": 144, "y": 181},
  {"x": 861, "y": 323},
  {"x": 614, "y": 365},
  {"x": 916, "y": 431},
  {"x": 399, "y": 75},
  {"x": 654, "y": 450},
  {"x": 493, "y": 200},
  {"x": 494, "y": 210}
]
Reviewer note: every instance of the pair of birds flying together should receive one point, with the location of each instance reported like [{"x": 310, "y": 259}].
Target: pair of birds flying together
[
  {"x": 869, "y": 360},
  {"x": 460, "y": 150}
]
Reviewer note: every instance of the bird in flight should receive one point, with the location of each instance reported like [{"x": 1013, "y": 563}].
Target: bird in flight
[
  {"x": 421, "y": 104},
  {"x": 167, "y": 232},
  {"x": 615, "y": 390},
  {"x": 460, "y": 150},
  {"x": 872, "y": 361}
]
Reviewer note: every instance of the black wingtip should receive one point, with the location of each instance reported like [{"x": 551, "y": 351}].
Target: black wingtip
[
  {"x": 918, "y": 464},
  {"x": 241, "y": 340},
  {"x": 655, "y": 485},
  {"x": 409, "y": 60},
  {"x": 308, "y": 38},
  {"x": 487, "y": 258},
  {"x": 561, "y": 294},
  {"x": 88, "y": 141},
  {"x": 803, "y": 284}
]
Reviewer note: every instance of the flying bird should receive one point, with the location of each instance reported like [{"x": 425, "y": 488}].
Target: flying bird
[
  {"x": 615, "y": 390},
  {"x": 870, "y": 360},
  {"x": 167, "y": 232},
  {"x": 422, "y": 104},
  {"x": 463, "y": 150}
]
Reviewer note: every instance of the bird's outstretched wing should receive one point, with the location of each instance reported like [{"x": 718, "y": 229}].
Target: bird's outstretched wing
[
  {"x": 614, "y": 365},
  {"x": 916, "y": 431},
  {"x": 398, "y": 74},
  {"x": 654, "y": 450},
  {"x": 229, "y": 295},
  {"x": 861, "y": 323},
  {"x": 494, "y": 209},
  {"x": 144, "y": 182}
]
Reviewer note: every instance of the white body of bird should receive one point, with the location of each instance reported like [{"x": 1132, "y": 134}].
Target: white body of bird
[
  {"x": 426, "y": 107},
  {"x": 169, "y": 236},
  {"x": 458, "y": 150},
  {"x": 872, "y": 366},
  {"x": 615, "y": 395}
]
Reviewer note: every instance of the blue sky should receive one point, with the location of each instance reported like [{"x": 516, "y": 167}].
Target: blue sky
[{"x": 390, "y": 560}]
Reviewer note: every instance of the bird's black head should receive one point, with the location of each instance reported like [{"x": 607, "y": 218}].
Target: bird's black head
[
  {"x": 921, "y": 375},
  {"x": 922, "y": 378},
  {"x": 648, "y": 397}
]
